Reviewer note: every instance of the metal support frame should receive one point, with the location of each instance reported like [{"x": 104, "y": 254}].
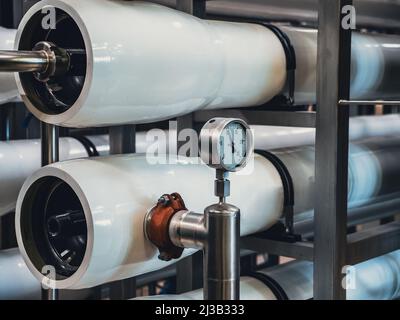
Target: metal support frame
[
  {"x": 189, "y": 270},
  {"x": 50, "y": 154},
  {"x": 262, "y": 117},
  {"x": 50, "y": 144},
  {"x": 123, "y": 139},
  {"x": 331, "y": 158}
]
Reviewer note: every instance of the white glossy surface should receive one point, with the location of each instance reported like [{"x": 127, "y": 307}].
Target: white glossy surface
[
  {"x": 116, "y": 193},
  {"x": 375, "y": 63},
  {"x": 273, "y": 137},
  {"x": 8, "y": 86},
  {"x": 376, "y": 279},
  {"x": 250, "y": 289},
  {"x": 369, "y": 176},
  {"x": 16, "y": 281},
  {"x": 149, "y": 63},
  {"x": 21, "y": 158}
]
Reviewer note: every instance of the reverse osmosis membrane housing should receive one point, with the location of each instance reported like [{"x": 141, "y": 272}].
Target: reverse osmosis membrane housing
[
  {"x": 105, "y": 201},
  {"x": 147, "y": 63},
  {"x": 20, "y": 159},
  {"x": 151, "y": 63}
]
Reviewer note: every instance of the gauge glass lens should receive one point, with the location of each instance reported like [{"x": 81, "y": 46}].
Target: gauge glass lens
[{"x": 233, "y": 145}]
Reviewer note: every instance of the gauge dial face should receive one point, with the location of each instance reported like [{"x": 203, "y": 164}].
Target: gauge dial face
[{"x": 232, "y": 147}]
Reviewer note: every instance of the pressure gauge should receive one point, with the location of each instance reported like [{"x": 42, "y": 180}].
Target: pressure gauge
[{"x": 226, "y": 144}]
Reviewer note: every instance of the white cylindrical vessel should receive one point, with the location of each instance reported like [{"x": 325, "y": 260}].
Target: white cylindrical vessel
[
  {"x": 375, "y": 279},
  {"x": 16, "y": 281},
  {"x": 21, "y": 158},
  {"x": 273, "y": 137},
  {"x": 114, "y": 194},
  {"x": 376, "y": 156},
  {"x": 375, "y": 64},
  {"x": 156, "y": 63},
  {"x": 8, "y": 86},
  {"x": 149, "y": 63},
  {"x": 250, "y": 289}
]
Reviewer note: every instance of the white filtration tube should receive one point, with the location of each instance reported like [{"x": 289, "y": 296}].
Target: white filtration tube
[
  {"x": 250, "y": 289},
  {"x": 375, "y": 65},
  {"x": 375, "y": 279},
  {"x": 273, "y": 137},
  {"x": 150, "y": 63},
  {"x": 21, "y": 158},
  {"x": 116, "y": 192},
  {"x": 8, "y": 86},
  {"x": 16, "y": 281}
]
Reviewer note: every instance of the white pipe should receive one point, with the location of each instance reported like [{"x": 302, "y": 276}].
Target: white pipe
[
  {"x": 16, "y": 281},
  {"x": 272, "y": 137},
  {"x": 190, "y": 64},
  {"x": 250, "y": 289},
  {"x": 376, "y": 279},
  {"x": 150, "y": 63},
  {"x": 21, "y": 158},
  {"x": 115, "y": 194},
  {"x": 374, "y": 65},
  {"x": 8, "y": 86}
]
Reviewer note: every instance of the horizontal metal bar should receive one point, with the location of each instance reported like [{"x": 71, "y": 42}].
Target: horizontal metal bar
[
  {"x": 156, "y": 276},
  {"x": 361, "y": 246},
  {"x": 297, "y": 250},
  {"x": 371, "y": 243},
  {"x": 262, "y": 117},
  {"x": 369, "y": 102},
  {"x": 23, "y": 61}
]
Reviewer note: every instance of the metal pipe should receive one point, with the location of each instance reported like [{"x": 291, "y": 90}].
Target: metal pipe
[
  {"x": 50, "y": 143},
  {"x": 187, "y": 230},
  {"x": 50, "y": 154},
  {"x": 8, "y": 86},
  {"x": 222, "y": 253},
  {"x": 23, "y": 61},
  {"x": 122, "y": 139},
  {"x": 369, "y": 102}
]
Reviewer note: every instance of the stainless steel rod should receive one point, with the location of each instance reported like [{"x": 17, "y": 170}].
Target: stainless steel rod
[
  {"x": 369, "y": 102},
  {"x": 50, "y": 154},
  {"x": 50, "y": 144},
  {"x": 23, "y": 61}
]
